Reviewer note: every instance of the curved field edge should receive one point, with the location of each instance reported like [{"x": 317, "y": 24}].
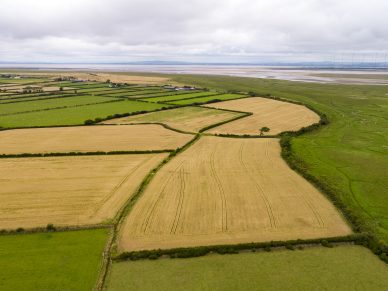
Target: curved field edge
[
  {"x": 222, "y": 212},
  {"x": 277, "y": 115},
  {"x": 344, "y": 105}
]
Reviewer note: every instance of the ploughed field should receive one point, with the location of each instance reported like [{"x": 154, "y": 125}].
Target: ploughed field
[
  {"x": 104, "y": 138},
  {"x": 277, "y": 115},
  {"x": 226, "y": 191},
  {"x": 72, "y": 190},
  {"x": 190, "y": 119}
]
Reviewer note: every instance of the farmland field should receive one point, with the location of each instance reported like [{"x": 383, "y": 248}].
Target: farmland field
[
  {"x": 190, "y": 119},
  {"x": 349, "y": 154},
  {"x": 68, "y": 190},
  {"x": 182, "y": 95},
  {"x": 12, "y": 108},
  {"x": 218, "y": 190},
  {"x": 51, "y": 261},
  {"x": 223, "y": 191},
  {"x": 276, "y": 115},
  {"x": 75, "y": 116},
  {"x": 104, "y": 138},
  {"x": 344, "y": 268},
  {"x": 206, "y": 99}
]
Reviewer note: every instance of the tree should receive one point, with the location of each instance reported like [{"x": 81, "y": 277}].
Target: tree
[{"x": 264, "y": 129}]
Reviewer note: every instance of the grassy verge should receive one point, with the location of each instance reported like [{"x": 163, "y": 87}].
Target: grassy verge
[
  {"x": 342, "y": 268},
  {"x": 51, "y": 261}
]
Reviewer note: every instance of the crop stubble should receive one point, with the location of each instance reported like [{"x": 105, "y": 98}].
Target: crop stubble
[
  {"x": 68, "y": 190},
  {"x": 277, "y": 115},
  {"x": 223, "y": 191}
]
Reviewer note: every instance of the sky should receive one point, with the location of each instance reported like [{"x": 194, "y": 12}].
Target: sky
[{"x": 248, "y": 31}]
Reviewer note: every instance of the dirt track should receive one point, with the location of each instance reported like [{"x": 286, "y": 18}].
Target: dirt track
[{"x": 226, "y": 191}]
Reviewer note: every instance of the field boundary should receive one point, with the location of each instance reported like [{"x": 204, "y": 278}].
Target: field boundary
[
  {"x": 53, "y": 228},
  {"x": 190, "y": 252},
  {"x": 158, "y": 123},
  {"x": 357, "y": 224},
  {"x": 96, "y": 153}
]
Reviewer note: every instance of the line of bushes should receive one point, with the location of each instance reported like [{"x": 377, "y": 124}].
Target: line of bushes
[
  {"x": 224, "y": 122},
  {"x": 97, "y": 153},
  {"x": 169, "y": 93},
  {"x": 188, "y": 98},
  {"x": 357, "y": 223},
  {"x": 231, "y": 135},
  {"x": 236, "y": 248},
  {"x": 161, "y": 124},
  {"x": 120, "y": 115},
  {"x": 147, "y": 179},
  {"x": 52, "y": 228}
]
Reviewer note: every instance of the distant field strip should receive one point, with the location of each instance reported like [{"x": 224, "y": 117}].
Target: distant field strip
[
  {"x": 68, "y": 190},
  {"x": 77, "y": 115},
  {"x": 91, "y": 139},
  {"x": 198, "y": 100},
  {"x": 190, "y": 119},
  {"x": 11, "y": 108},
  {"x": 277, "y": 115},
  {"x": 181, "y": 96},
  {"x": 225, "y": 191}
]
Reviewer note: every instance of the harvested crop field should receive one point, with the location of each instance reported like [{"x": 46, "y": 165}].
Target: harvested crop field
[
  {"x": 277, "y": 115},
  {"x": 91, "y": 139},
  {"x": 190, "y": 119},
  {"x": 225, "y": 191},
  {"x": 68, "y": 190}
]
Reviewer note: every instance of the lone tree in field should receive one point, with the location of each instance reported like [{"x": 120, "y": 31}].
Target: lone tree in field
[{"x": 264, "y": 129}]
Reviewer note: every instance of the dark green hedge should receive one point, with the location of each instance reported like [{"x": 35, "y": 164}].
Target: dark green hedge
[
  {"x": 234, "y": 249},
  {"x": 98, "y": 153}
]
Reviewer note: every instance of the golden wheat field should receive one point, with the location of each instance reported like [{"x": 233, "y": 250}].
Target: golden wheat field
[
  {"x": 68, "y": 190},
  {"x": 90, "y": 139},
  {"x": 226, "y": 191},
  {"x": 277, "y": 115},
  {"x": 190, "y": 119}
]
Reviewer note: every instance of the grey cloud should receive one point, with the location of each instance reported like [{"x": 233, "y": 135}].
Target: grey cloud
[{"x": 119, "y": 30}]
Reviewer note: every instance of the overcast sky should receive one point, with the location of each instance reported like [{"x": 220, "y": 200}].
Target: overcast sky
[{"x": 192, "y": 30}]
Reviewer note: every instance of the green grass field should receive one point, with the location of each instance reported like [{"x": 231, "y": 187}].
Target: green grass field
[
  {"x": 351, "y": 153},
  {"x": 11, "y": 108},
  {"x": 222, "y": 97},
  {"x": 340, "y": 268},
  {"x": 137, "y": 93},
  {"x": 75, "y": 115},
  {"x": 51, "y": 261},
  {"x": 179, "y": 96},
  {"x": 21, "y": 81}
]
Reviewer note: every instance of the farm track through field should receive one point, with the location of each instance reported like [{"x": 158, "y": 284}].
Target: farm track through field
[
  {"x": 224, "y": 211},
  {"x": 119, "y": 185},
  {"x": 259, "y": 188},
  {"x": 178, "y": 212},
  {"x": 161, "y": 195}
]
